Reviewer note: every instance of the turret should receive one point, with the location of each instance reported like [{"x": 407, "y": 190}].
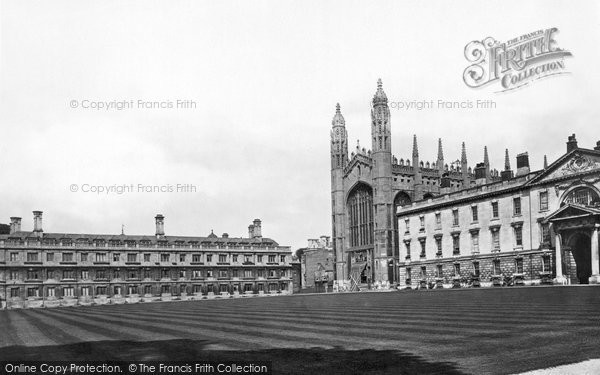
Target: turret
[
  {"x": 339, "y": 159},
  {"x": 382, "y": 183}
]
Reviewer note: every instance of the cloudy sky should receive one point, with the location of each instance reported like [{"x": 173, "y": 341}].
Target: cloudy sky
[{"x": 265, "y": 77}]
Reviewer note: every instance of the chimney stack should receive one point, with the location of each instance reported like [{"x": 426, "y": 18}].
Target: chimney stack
[
  {"x": 571, "y": 143},
  {"x": 481, "y": 171},
  {"x": 160, "y": 225},
  {"x": 250, "y": 231},
  {"x": 523, "y": 163},
  {"x": 257, "y": 229},
  {"x": 37, "y": 221},
  {"x": 15, "y": 224},
  {"x": 597, "y": 148}
]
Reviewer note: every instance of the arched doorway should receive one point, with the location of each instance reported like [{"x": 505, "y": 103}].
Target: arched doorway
[{"x": 581, "y": 251}]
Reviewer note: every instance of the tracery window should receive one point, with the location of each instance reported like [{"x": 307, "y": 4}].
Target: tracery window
[{"x": 360, "y": 207}]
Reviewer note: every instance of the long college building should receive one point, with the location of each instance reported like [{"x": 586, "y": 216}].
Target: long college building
[
  {"x": 51, "y": 269},
  {"x": 414, "y": 222}
]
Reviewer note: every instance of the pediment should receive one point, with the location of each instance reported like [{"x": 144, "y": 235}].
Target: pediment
[
  {"x": 572, "y": 164},
  {"x": 569, "y": 211}
]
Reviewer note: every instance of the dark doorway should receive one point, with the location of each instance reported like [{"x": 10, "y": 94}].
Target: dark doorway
[{"x": 582, "y": 254}]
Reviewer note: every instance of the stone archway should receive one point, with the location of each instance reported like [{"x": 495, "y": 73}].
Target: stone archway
[{"x": 581, "y": 252}]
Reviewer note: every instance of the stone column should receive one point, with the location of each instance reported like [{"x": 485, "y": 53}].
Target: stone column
[
  {"x": 595, "y": 278},
  {"x": 559, "y": 271}
]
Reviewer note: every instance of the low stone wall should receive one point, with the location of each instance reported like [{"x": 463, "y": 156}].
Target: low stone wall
[{"x": 53, "y": 302}]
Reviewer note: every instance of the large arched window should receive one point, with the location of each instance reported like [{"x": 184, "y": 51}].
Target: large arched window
[
  {"x": 360, "y": 208},
  {"x": 584, "y": 196}
]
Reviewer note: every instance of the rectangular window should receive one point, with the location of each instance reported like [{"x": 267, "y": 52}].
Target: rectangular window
[
  {"x": 33, "y": 292},
  {"x": 132, "y": 257},
  {"x": 407, "y": 225},
  {"x": 408, "y": 274},
  {"x": 222, "y": 258},
  {"x": 519, "y": 265},
  {"x": 259, "y": 258},
  {"x": 116, "y": 257},
  {"x": 455, "y": 217},
  {"x": 164, "y": 258},
  {"x": 208, "y": 258},
  {"x": 14, "y": 292},
  {"x": 475, "y": 242},
  {"x": 234, "y": 258},
  {"x": 14, "y": 275},
  {"x": 282, "y": 259},
  {"x": 271, "y": 258},
  {"x": 422, "y": 223},
  {"x": 50, "y": 274},
  {"x": 475, "y": 213},
  {"x": 148, "y": 289},
  {"x": 496, "y": 239},
  {"x": 234, "y": 273},
  {"x": 546, "y": 263},
  {"x": 196, "y": 274},
  {"x": 439, "y": 271},
  {"x": 146, "y": 257},
  {"x": 182, "y": 274},
  {"x": 476, "y": 269},
  {"x": 85, "y": 291},
  {"x": 495, "y": 210},
  {"x": 50, "y": 257},
  {"x": 100, "y": 274},
  {"x": 407, "y": 244},
  {"x": 543, "y": 201},
  {"x": 68, "y": 275},
  {"x": 133, "y": 274},
  {"x": 84, "y": 257},
  {"x": 260, "y": 273},
  {"x": 223, "y": 273},
  {"x": 196, "y": 258},
  {"x": 51, "y": 292},
  {"x": 423, "y": 272},
  {"x": 496, "y": 267},
  {"x": 165, "y": 289},
  {"x": 438, "y": 220},
  {"x": 85, "y": 274},
  {"x": 517, "y": 206},
  {"x": 247, "y": 287},
  {"x": 100, "y": 257},
  {"x": 164, "y": 273},
  {"x": 68, "y": 291},
  {"x": 422, "y": 242},
  {"x": 519, "y": 236},
  {"x": 101, "y": 290},
  {"x": 455, "y": 245},
  {"x": 209, "y": 273},
  {"x": 32, "y": 257},
  {"x": 33, "y": 275},
  {"x": 438, "y": 245},
  {"x": 14, "y": 257},
  {"x": 456, "y": 269},
  {"x": 272, "y": 273},
  {"x": 248, "y": 274},
  {"x": 182, "y": 257},
  {"x": 247, "y": 258},
  {"x": 545, "y": 233},
  {"x": 67, "y": 257}
]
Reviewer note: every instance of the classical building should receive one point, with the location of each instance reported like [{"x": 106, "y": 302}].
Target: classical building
[
  {"x": 367, "y": 187},
  {"x": 316, "y": 264},
  {"x": 50, "y": 269},
  {"x": 531, "y": 227}
]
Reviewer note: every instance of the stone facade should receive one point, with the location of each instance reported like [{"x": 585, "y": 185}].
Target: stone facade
[
  {"x": 367, "y": 187},
  {"x": 317, "y": 264},
  {"x": 39, "y": 269},
  {"x": 532, "y": 228}
]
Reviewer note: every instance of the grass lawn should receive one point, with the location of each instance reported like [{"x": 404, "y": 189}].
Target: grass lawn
[{"x": 476, "y": 331}]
